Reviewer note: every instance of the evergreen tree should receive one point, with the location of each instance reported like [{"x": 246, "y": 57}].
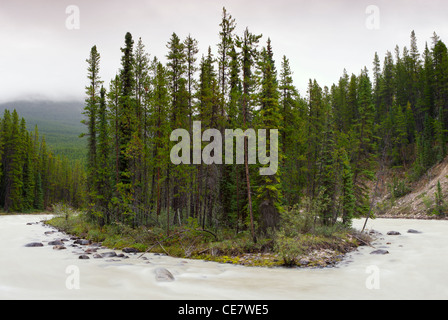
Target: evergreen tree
[
  {"x": 191, "y": 51},
  {"x": 90, "y": 112},
  {"x": 269, "y": 190},
  {"x": 440, "y": 60},
  {"x": 39, "y": 194},
  {"x": 14, "y": 173},
  {"x": 348, "y": 196},
  {"x": 364, "y": 144},
  {"x": 228, "y": 26},
  {"x": 139, "y": 169},
  {"x": 440, "y": 204},
  {"x": 104, "y": 165},
  {"x": 180, "y": 112},
  {"x": 160, "y": 128},
  {"x": 248, "y": 45},
  {"x": 5, "y": 177},
  {"x": 28, "y": 170},
  {"x": 328, "y": 169},
  {"x": 126, "y": 128},
  {"x": 113, "y": 97},
  {"x": 315, "y": 119}
]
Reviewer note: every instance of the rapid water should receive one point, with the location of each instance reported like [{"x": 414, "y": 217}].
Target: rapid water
[{"x": 414, "y": 269}]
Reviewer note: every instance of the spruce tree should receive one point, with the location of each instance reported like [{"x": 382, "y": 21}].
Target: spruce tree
[
  {"x": 28, "y": 171},
  {"x": 90, "y": 112},
  {"x": 248, "y": 45},
  {"x": 440, "y": 204},
  {"x": 440, "y": 56},
  {"x": 104, "y": 165},
  {"x": 13, "y": 198},
  {"x": 39, "y": 193},
  {"x": 348, "y": 196},
  {"x": 315, "y": 119},
  {"x": 365, "y": 144},
  {"x": 228, "y": 26},
  {"x": 160, "y": 128},
  {"x": 176, "y": 67},
  {"x": 191, "y": 51},
  {"x": 269, "y": 191},
  {"x": 127, "y": 122}
]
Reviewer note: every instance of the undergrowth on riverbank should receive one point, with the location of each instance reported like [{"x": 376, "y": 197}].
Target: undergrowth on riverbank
[{"x": 296, "y": 243}]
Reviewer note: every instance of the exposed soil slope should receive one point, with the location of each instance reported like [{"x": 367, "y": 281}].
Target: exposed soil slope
[{"x": 420, "y": 202}]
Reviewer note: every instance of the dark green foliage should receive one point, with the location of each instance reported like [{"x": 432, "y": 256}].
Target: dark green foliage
[
  {"x": 348, "y": 196},
  {"x": 59, "y": 122},
  {"x": 329, "y": 145},
  {"x": 440, "y": 203},
  {"x": 33, "y": 178},
  {"x": 269, "y": 194}
]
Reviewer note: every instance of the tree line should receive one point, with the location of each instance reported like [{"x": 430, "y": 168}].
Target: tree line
[
  {"x": 331, "y": 141},
  {"x": 31, "y": 176}
]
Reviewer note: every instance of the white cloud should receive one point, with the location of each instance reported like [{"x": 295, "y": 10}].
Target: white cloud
[{"x": 40, "y": 56}]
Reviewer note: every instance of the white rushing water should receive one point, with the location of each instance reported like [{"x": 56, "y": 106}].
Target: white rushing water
[{"x": 414, "y": 269}]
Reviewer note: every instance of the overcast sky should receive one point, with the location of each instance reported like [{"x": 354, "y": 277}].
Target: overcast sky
[{"x": 42, "y": 56}]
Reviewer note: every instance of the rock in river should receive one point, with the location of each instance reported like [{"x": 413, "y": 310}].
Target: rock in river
[
  {"x": 111, "y": 254},
  {"x": 34, "y": 245},
  {"x": 163, "y": 275},
  {"x": 393, "y": 233},
  {"x": 380, "y": 252},
  {"x": 414, "y": 231},
  {"x": 82, "y": 242},
  {"x": 56, "y": 243}
]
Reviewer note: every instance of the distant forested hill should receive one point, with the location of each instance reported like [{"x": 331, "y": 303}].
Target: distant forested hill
[{"x": 59, "y": 122}]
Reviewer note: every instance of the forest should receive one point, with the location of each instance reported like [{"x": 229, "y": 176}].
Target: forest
[
  {"x": 333, "y": 141},
  {"x": 32, "y": 178},
  {"x": 58, "y": 121}
]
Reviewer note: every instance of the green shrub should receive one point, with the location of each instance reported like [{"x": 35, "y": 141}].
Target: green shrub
[
  {"x": 440, "y": 203},
  {"x": 295, "y": 221},
  {"x": 288, "y": 248},
  {"x": 399, "y": 188}
]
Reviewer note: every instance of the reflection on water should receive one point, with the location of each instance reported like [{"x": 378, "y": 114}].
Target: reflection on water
[{"x": 414, "y": 269}]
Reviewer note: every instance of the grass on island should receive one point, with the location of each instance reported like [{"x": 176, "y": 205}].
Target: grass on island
[{"x": 299, "y": 242}]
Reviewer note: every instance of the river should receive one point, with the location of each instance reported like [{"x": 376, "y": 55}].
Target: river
[{"x": 415, "y": 268}]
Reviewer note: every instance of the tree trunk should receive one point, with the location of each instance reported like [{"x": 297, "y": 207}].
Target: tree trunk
[{"x": 249, "y": 196}]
